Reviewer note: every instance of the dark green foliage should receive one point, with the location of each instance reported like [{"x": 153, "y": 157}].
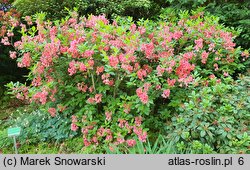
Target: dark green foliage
[
  {"x": 235, "y": 15},
  {"x": 8, "y": 68},
  {"x": 217, "y": 116},
  {"x": 56, "y": 9}
]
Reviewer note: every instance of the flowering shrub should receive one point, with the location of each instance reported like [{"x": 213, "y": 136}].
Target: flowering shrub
[{"x": 109, "y": 77}]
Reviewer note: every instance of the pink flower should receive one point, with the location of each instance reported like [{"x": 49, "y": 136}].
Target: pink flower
[
  {"x": 121, "y": 123},
  {"x": 158, "y": 87},
  {"x": 63, "y": 49},
  {"x": 133, "y": 28},
  {"x": 26, "y": 60},
  {"x": 52, "y": 111},
  {"x": 138, "y": 121},
  {"x": 171, "y": 82},
  {"x": 113, "y": 61},
  {"x": 85, "y": 131},
  {"x": 10, "y": 33},
  {"x": 176, "y": 35},
  {"x": 37, "y": 81},
  {"x": 73, "y": 50},
  {"x": 142, "y": 95},
  {"x": 120, "y": 140},
  {"x": 131, "y": 142},
  {"x": 98, "y": 98},
  {"x": 211, "y": 47},
  {"x": 72, "y": 68},
  {"x": 74, "y": 127},
  {"x": 5, "y": 41},
  {"x": 142, "y": 30},
  {"x": 91, "y": 100},
  {"x": 91, "y": 89},
  {"x": 28, "y": 20},
  {"x": 19, "y": 96},
  {"x": 216, "y": 67},
  {"x": 212, "y": 76},
  {"x": 82, "y": 67},
  {"x": 166, "y": 93},
  {"x": 144, "y": 98},
  {"x": 82, "y": 87},
  {"x": 198, "y": 44},
  {"x": 143, "y": 137},
  {"x": 146, "y": 86},
  {"x": 42, "y": 96},
  {"x": 160, "y": 70},
  {"x": 109, "y": 138},
  {"x": 111, "y": 149},
  {"x": 141, "y": 74},
  {"x": 108, "y": 115},
  {"x": 187, "y": 56},
  {"x": 91, "y": 63},
  {"x": 99, "y": 70},
  {"x": 111, "y": 82},
  {"x": 127, "y": 108},
  {"x": 226, "y": 74},
  {"x": 148, "y": 49},
  {"x": 13, "y": 54},
  {"x": 88, "y": 53},
  {"x": 184, "y": 68},
  {"x": 74, "y": 119},
  {"x": 204, "y": 57},
  {"x": 245, "y": 54},
  {"x": 86, "y": 142},
  {"x": 100, "y": 132}
]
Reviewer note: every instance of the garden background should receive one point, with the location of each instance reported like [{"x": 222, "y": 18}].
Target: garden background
[{"x": 141, "y": 76}]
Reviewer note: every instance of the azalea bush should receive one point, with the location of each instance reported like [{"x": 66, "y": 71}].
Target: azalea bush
[{"x": 111, "y": 78}]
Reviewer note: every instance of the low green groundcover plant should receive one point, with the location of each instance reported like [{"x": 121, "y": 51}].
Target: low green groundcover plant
[{"x": 113, "y": 79}]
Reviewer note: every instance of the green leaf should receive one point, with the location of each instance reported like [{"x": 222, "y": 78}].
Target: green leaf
[{"x": 202, "y": 133}]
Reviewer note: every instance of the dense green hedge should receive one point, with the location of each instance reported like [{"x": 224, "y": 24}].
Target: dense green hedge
[{"x": 56, "y": 9}]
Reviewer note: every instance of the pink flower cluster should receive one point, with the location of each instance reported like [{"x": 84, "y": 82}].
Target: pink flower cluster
[
  {"x": 131, "y": 142},
  {"x": 82, "y": 87},
  {"x": 106, "y": 79},
  {"x": 166, "y": 93},
  {"x": 113, "y": 61},
  {"x": 52, "y": 111},
  {"x": 26, "y": 60},
  {"x": 184, "y": 68},
  {"x": 148, "y": 49},
  {"x": 108, "y": 115},
  {"x": 41, "y": 96},
  {"x": 13, "y": 54},
  {"x": 142, "y": 135},
  {"x": 96, "y": 99},
  {"x": 74, "y": 127},
  {"x": 142, "y": 95},
  {"x": 204, "y": 57}
]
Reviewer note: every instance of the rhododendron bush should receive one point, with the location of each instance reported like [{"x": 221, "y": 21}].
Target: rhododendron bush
[{"x": 109, "y": 77}]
